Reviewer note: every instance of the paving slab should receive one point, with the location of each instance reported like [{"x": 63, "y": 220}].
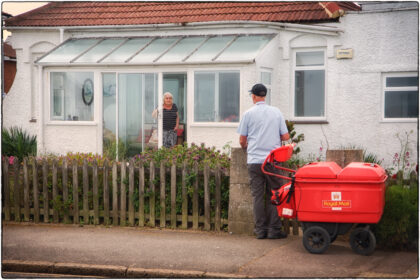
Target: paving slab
[{"x": 144, "y": 252}]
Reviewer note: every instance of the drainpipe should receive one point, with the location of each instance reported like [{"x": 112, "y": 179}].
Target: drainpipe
[{"x": 41, "y": 109}]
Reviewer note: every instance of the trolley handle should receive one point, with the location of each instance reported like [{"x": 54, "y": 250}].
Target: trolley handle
[{"x": 270, "y": 158}]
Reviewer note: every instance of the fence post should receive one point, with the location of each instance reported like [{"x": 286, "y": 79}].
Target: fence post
[
  {"x": 114, "y": 194},
  {"x": 141, "y": 194},
  {"x": 207, "y": 225},
  {"x": 218, "y": 198},
  {"x": 173, "y": 195},
  {"x": 85, "y": 193},
  {"x": 54, "y": 191},
  {"x": 26, "y": 190},
  {"x": 123, "y": 205},
  {"x": 241, "y": 217},
  {"x": 184, "y": 197},
  {"x": 131, "y": 193},
  {"x": 195, "y": 197},
  {"x": 16, "y": 190},
  {"x": 35, "y": 190},
  {"x": 152, "y": 190},
  {"x": 95, "y": 193},
  {"x": 45, "y": 190},
  {"x": 75, "y": 193},
  {"x": 65, "y": 191},
  {"x": 162, "y": 194},
  {"x": 6, "y": 185},
  {"x": 106, "y": 193}
]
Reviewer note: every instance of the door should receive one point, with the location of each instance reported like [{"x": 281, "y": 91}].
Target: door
[{"x": 128, "y": 102}]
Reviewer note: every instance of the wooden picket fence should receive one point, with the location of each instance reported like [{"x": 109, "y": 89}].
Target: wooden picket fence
[{"x": 28, "y": 188}]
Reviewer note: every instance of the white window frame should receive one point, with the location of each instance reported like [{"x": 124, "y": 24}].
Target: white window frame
[
  {"x": 292, "y": 85},
  {"x": 50, "y": 119},
  {"x": 192, "y": 110},
  {"x": 385, "y": 88},
  {"x": 268, "y": 86}
]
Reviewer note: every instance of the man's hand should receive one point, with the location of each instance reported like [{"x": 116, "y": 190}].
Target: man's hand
[{"x": 243, "y": 141}]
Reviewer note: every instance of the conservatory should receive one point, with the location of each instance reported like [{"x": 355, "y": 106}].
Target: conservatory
[{"x": 109, "y": 87}]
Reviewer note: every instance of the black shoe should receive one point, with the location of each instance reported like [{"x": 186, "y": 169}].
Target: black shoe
[
  {"x": 277, "y": 235},
  {"x": 261, "y": 235}
]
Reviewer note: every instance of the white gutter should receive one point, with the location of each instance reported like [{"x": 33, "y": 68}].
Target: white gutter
[
  {"x": 207, "y": 24},
  {"x": 247, "y": 61},
  {"x": 41, "y": 109}
]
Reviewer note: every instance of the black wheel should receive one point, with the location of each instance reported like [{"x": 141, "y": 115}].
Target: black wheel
[
  {"x": 362, "y": 241},
  {"x": 316, "y": 240}
]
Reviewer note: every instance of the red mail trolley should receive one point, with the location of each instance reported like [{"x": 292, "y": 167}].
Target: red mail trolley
[{"x": 329, "y": 200}]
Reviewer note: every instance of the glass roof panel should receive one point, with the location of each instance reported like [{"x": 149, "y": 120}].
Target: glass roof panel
[
  {"x": 154, "y": 50},
  {"x": 245, "y": 47},
  {"x": 127, "y": 50},
  {"x": 210, "y": 49},
  {"x": 100, "y": 50},
  {"x": 182, "y": 49},
  {"x": 69, "y": 50}
]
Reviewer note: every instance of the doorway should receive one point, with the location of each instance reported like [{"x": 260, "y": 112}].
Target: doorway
[{"x": 176, "y": 84}]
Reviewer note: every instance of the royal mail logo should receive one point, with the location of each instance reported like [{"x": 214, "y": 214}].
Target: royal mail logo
[{"x": 336, "y": 203}]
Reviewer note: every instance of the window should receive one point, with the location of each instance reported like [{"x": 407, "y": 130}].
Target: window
[
  {"x": 401, "y": 96},
  {"x": 216, "y": 96},
  {"x": 266, "y": 80},
  {"x": 309, "y": 81},
  {"x": 72, "y": 96}
]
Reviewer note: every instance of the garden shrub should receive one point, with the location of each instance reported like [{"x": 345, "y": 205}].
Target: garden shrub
[
  {"x": 17, "y": 142},
  {"x": 398, "y": 228}
]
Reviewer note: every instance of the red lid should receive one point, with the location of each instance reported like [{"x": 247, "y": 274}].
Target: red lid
[
  {"x": 319, "y": 170},
  {"x": 362, "y": 171}
]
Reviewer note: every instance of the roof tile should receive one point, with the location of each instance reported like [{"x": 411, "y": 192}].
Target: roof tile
[{"x": 91, "y": 13}]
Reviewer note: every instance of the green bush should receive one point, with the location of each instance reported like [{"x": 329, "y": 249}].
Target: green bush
[
  {"x": 398, "y": 228},
  {"x": 16, "y": 142}
]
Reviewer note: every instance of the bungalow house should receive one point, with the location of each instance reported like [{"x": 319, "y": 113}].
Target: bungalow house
[{"x": 91, "y": 73}]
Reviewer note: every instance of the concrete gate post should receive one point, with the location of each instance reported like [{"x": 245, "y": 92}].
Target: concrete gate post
[{"x": 241, "y": 217}]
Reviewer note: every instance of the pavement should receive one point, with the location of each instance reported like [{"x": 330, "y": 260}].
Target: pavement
[{"x": 133, "y": 252}]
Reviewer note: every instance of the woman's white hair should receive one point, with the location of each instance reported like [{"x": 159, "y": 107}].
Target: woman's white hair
[{"x": 166, "y": 94}]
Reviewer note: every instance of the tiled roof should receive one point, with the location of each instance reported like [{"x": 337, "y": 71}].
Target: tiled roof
[
  {"x": 8, "y": 51},
  {"x": 91, "y": 13}
]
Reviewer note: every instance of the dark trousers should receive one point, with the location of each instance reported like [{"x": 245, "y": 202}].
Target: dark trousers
[{"x": 265, "y": 214}]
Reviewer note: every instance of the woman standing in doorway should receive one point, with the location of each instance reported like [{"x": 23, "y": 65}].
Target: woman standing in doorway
[{"x": 170, "y": 120}]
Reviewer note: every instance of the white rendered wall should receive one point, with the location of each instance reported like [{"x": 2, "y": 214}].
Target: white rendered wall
[{"x": 381, "y": 43}]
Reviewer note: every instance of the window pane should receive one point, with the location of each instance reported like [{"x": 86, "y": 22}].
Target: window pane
[
  {"x": 127, "y": 50},
  {"x": 155, "y": 49},
  {"x": 69, "y": 50},
  {"x": 204, "y": 97},
  {"x": 310, "y": 58},
  {"x": 99, "y": 50},
  {"x": 402, "y": 81},
  {"x": 401, "y": 104},
  {"x": 245, "y": 47},
  {"x": 309, "y": 93},
  {"x": 182, "y": 49},
  {"x": 210, "y": 49},
  {"x": 266, "y": 78},
  {"x": 228, "y": 97},
  {"x": 66, "y": 96},
  {"x": 109, "y": 114}
]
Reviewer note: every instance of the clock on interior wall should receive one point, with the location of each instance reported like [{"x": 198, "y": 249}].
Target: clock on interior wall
[{"x": 87, "y": 92}]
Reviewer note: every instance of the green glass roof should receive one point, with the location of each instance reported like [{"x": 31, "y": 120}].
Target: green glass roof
[{"x": 157, "y": 50}]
